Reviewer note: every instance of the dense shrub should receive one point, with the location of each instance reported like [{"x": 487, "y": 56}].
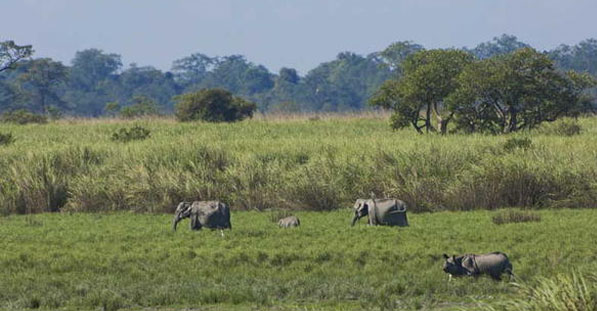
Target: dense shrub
[
  {"x": 513, "y": 143},
  {"x": 22, "y": 116},
  {"x": 143, "y": 106},
  {"x": 134, "y": 133},
  {"x": 515, "y": 217},
  {"x": 562, "y": 127},
  {"x": 6, "y": 139},
  {"x": 212, "y": 105}
]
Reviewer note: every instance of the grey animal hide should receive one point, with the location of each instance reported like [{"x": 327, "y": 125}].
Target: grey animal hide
[
  {"x": 290, "y": 221},
  {"x": 385, "y": 212},
  {"x": 210, "y": 214},
  {"x": 493, "y": 264}
]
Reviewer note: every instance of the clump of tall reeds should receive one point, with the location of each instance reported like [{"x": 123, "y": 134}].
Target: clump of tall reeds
[{"x": 563, "y": 292}]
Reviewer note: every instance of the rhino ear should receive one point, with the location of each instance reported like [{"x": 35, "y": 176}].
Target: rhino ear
[{"x": 446, "y": 256}]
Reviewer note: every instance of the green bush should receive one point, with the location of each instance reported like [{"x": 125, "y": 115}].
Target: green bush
[
  {"x": 143, "y": 106},
  {"x": 212, "y": 105},
  {"x": 562, "y": 127},
  {"x": 22, "y": 116},
  {"x": 513, "y": 143},
  {"x": 134, "y": 133},
  {"x": 6, "y": 139}
]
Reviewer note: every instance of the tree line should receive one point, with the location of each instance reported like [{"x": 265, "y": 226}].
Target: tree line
[{"x": 96, "y": 83}]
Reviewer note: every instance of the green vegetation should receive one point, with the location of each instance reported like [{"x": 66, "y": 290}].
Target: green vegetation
[
  {"x": 564, "y": 292},
  {"x": 561, "y": 127},
  {"x": 501, "y": 94},
  {"x": 142, "y": 106},
  {"x": 513, "y": 143},
  {"x": 6, "y": 139},
  {"x": 129, "y": 260},
  {"x": 507, "y": 217},
  {"x": 213, "y": 105},
  {"x": 343, "y": 84},
  {"x": 22, "y": 116},
  {"x": 134, "y": 133},
  {"x": 289, "y": 163}
]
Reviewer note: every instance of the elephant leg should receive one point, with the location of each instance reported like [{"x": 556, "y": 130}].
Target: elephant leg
[{"x": 195, "y": 224}]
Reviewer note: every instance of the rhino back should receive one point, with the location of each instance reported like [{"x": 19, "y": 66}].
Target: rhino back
[{"x": 492, "y": 262}]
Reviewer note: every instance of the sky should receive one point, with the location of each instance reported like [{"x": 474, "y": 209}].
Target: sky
[{"x": 283, "y": 33}]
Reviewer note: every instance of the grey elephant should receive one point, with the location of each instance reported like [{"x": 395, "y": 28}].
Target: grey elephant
[
  {"x": 290, "y": 221},
  {"x": 385, "y": 212},
  {"x": 210, "y": 214},
  {"x": 493, "y": 264}
]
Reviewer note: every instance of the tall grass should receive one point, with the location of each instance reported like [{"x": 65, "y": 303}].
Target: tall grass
[
  {"x": 563, "y": 292},
  {"x": 288, "y": 163}
]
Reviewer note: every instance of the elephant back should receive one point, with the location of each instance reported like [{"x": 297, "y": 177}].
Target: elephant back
[
  {"x": 390, "y": 212},
  {"x": 213, "y": 214}
]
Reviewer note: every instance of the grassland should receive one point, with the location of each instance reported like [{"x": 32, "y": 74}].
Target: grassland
[
  {"x": 301, "y": 163},
  {"x": 111, "y": 246},
  {"x": 127, "y": 260}
]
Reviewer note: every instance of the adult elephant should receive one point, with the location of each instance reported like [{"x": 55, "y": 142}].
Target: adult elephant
[
  {"x": 210, "y": 214},
  {"x": 384, "y": 212}
]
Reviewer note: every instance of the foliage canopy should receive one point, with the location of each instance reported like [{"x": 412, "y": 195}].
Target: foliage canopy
[{"x": 212, "y": 105}]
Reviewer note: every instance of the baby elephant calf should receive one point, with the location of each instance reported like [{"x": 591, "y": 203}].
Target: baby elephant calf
[
  {"x": 290, "y": 221},
  {"x": 493, "y": 264}
]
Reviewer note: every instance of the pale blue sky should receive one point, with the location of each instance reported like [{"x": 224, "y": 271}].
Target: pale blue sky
[{"x": 276, "y": 33}]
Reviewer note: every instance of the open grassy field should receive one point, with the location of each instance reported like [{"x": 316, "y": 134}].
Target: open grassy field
[
  {"x": 127, "y": 260},
  {"x": 112, "y": 247},
  {"x": 302, "y": 163}
]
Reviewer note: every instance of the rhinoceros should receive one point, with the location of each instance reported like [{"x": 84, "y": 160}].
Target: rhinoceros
[
  {"x": 290, "y": 221},
  {"x": 210, "y": 214},
  {"x": 385, "y": 212},
  {"x": 494, "y": 264}
]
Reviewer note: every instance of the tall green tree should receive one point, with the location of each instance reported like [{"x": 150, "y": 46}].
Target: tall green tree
[
  {"x": 581, "y": 57},
  {"x": 429, "y": 77},
  {"x": 192, "y": 69},
  {"x": 344, "y": 84},
  {"x": 92, "y": 81},
  {"x": 501, "y": 45},
  {"x": 40, "y": 86},
  {"x": 397, "y": 52},
  {"x": 150, "y": 82},
  {"x": 515, "y": 91},
  {"x": 92, "y": 66}
]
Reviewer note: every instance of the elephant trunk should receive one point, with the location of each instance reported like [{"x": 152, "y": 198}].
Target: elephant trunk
[
  {"x": 354, "y": 220},
  {"x": 175, "y": 221}
]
